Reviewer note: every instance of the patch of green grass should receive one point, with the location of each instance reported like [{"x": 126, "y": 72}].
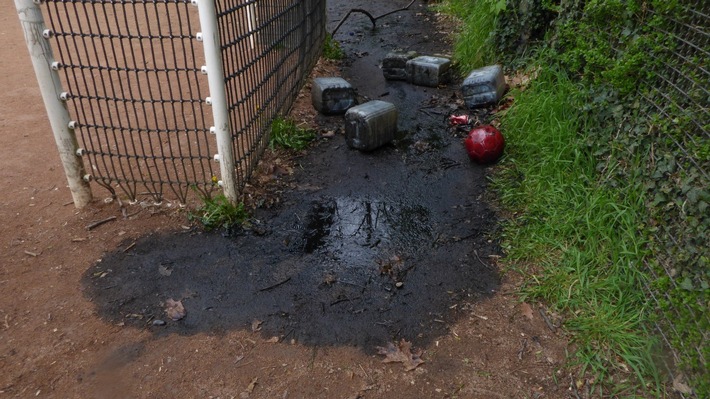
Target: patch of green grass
[
  {"x": 332, "y": 49},
  {"x": 219, "y": 212},
  {"x": 472, "y": 47},
  {"x": 286, "y": 134},
  {"x": 584, "y": 237}
]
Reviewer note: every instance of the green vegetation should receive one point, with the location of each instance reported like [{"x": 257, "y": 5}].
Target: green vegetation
[
  {"x": 472, "y": 47},
  {"x": 497, "y": 30},
  {"x": 610, "y": 194},
  {"x": 286, "y": 134},
  {"x": 219, "y": 212},
  {"x": 331, "y": 48},
  {"x": 582, "y": 236}
]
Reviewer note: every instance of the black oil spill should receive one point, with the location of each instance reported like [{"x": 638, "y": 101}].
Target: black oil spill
[{"x": 374, "y": 247}]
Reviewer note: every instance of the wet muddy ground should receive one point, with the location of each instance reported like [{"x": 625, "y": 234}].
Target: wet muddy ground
[{"x": 368, "y": 248}]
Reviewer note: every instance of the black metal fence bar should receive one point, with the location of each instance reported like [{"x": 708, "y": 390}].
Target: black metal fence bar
[
  {"x": 265, "y": 65},
  {"x": 132, "y": 71}
]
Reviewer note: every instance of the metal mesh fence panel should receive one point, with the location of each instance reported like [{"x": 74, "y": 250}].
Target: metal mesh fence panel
[
  {"x": 673, "y": 99},
  {"x": 677, "y": 94},
  {"x": 644, "y": 65},
  {"x": 131, "y": 73},
  {"x": 265, "y": 66},
  {"x": 131, "y": 70}
]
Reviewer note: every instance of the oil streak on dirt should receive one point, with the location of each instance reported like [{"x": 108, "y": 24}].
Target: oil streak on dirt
[{"x": 383, "y": 249}]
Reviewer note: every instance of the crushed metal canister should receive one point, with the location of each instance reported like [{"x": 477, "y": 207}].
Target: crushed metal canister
[{"x": 457, "y": 120}]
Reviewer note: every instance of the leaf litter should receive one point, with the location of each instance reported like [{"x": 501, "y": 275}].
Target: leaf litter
[{"x": 401, "y": 353}]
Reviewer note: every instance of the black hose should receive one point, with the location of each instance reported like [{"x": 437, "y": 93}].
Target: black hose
[{"x": 372, "y": 19}]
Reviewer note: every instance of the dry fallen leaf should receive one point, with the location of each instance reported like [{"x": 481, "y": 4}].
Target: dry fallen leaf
[
  {"x": 256, "y": 325},
  {"x": 252, "y": 385},
  {"x": 680, "y": 385},
  {"x": 246, "y": 394},
  {"x": 401, "y": 353},
  {"x": 164, "y": 271},
  {"x": 526, "y": 310},
  {"x": 174, "y": 309},
  {"x": 273, "y": 340}
]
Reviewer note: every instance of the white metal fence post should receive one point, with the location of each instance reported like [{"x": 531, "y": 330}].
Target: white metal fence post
[
  {"x": 36, "y": 35},
  {"x": 218, "y": 97}
]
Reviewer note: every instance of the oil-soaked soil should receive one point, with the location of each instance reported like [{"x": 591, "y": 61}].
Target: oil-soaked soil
[{"x": 368, "y": 248}]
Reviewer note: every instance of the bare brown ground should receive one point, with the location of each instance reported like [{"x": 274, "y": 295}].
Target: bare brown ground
[{"x": 52, "y": 343}]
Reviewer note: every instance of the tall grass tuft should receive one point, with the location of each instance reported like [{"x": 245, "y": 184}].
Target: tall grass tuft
[
  {"x": 286, "y": 134},
  {"x": 219, "y": 212},
  {"x": 583, "y": 241},
  {"x": 472, "y": 48}
]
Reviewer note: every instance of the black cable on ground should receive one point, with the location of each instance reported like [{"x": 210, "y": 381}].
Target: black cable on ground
[{"x": 372, "y": 18}]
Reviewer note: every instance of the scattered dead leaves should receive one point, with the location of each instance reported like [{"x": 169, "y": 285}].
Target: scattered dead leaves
[{"x": 401, "y": 353}]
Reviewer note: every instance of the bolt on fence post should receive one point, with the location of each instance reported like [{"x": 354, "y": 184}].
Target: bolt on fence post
[
  {"x": 218, "y": 97},
  {"x": 50, "y": 86}
]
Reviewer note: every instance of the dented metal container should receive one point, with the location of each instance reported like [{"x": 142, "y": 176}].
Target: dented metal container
[
  {"x": 429, "y": 71},
  {"x": 370, "y": 125},
  {"x": 484, "y": 86},
  {"x": 394, "y": 65},
  {"x": 332, "y": 96}
]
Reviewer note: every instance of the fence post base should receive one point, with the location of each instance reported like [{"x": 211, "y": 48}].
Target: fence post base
[{"x": 218, "y": 98}]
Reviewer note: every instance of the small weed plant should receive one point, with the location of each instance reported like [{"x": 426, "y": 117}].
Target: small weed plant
[
  {"x": 286, "y": 134},
  {"x": 219, "y": 212},
  {"x": 332, "y": 49}
]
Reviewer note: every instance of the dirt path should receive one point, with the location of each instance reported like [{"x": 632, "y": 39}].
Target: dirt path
[{"x": 321, "y": 276}]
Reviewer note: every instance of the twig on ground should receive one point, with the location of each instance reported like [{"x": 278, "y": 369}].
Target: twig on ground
[
  {"x": 547, "y": 320},
  {"x": 129, "y": 215},
  {"x": 242, "y": 364},
  {"x": 100, "y": 222},
  {"x": 366, "y": 375},
  {"x": 275, "y": 285},
  {"x": 523, "y": 346},
  {"x": 573, "y": 386},
  {"x": 480, "y": 260},
  {"x": 337, "y": 301}
]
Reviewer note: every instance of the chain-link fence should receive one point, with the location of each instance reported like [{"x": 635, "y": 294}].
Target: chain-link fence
[
  {"x": 134, "y": 77},
  {"x": 677, "y": 92},
  {"x": 645, "y": 66},
  {"x": 265, "y": 67}
]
